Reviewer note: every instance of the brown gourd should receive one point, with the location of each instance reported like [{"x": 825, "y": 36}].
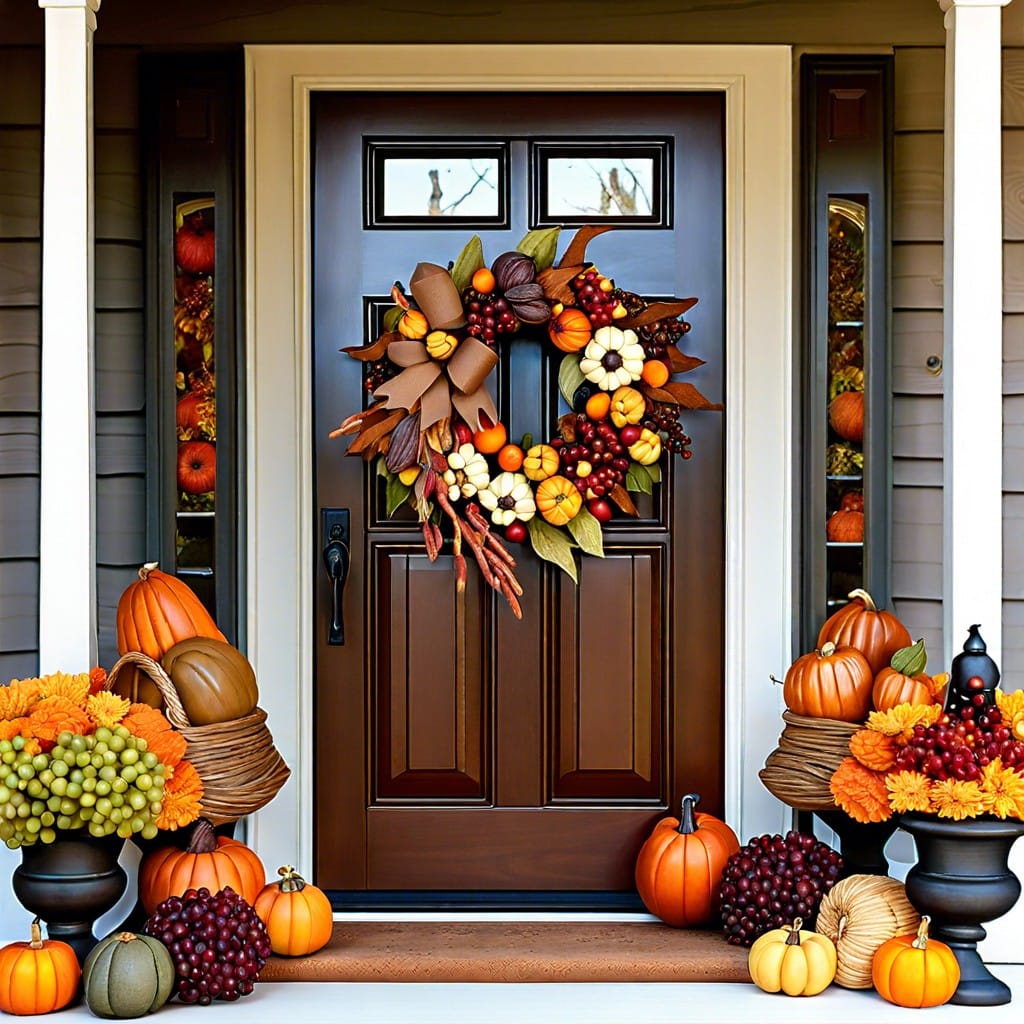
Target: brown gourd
[{"x": 214, "y": 680}]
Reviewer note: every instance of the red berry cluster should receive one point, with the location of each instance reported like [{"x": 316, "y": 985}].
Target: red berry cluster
[
  {"x": 655, "y": 338},
  {"x": 773, "y": 880},
  {"x": 596, "y": 461},
  {"x": 199, "y": 297},
  {"x": 663, "y": 419},
  {"x": 594, "y": 295},
  {"x": 217, "y": 942},
  {"x": 489, "y": 315},
  {"x": 960, "y": 744}
]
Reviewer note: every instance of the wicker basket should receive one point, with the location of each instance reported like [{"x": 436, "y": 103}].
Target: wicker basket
[
  {"x": 799, "y": 770},
  {"x": 240, "y": 767}
]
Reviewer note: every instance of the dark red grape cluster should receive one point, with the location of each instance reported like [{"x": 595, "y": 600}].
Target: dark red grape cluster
[
  {"x": 596, "y": 461},
  {"x": 773, "y": 880},
  {"x": 199, "y": 297},
  {"x": 489, "y": 315},
  {"x": 595, "y": 295},
  {"x": 961, "y": 744},
  {"x": 655, "y": 338},
  {"x": 663, "y": 418},
  {"x": 377, "y": 372},
  {"x": 217, "y": 942}
]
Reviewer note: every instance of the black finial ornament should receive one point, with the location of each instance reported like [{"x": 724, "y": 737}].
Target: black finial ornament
[{"x": 972, "y": 673}]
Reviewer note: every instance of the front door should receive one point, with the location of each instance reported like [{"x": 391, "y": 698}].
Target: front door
[{"x": 462, "y": 754}]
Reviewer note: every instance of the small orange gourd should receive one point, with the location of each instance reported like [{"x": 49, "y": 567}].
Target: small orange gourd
[
  {"x": 298, "y": 915},
  {"x": 834, "y": 682},
  {"x": 903, "y": 680},
  {"x": 38, "y": 976},
  {"x": 558, "y": 500},
  {"x": 915, "y": 970},
  {"x": 679, "y": 868},
  {"x": 541, "y": 462},
  {"x": 846, "y": 414},
  {"x": 210, "y": 860},
  {"x": 570, "y": 330},
  {"x": 875, "y": 632}
]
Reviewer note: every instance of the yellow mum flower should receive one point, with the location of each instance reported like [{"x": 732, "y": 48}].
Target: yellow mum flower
[
  {"x": 909, "y": 791},
  {"x": 17, "y": 698},
  {"x": 1002, "y": 790},
  {"x": 74, "y": 688},
  {"x": 1011, "y": 707},
  {"x": 901, "y": 720},
  {"x": 106, "y": 708},
  {"x": 956, "y": 799}
]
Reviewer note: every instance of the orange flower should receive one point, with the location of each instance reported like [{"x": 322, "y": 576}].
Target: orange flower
[
  {"x": 169, "y": 746},
  {"x": 1002, "y": 790},
  {"x": 900, "y": 720},
  {"x": 53, "y": 715},
  {"x": 11, "y": 727},
  {"x": 145, "y": 722},
  {"x": 953, "y": 798},
  {"x": 909, "y": 791},
  {"x": 873, "y": 749},
  {"x": 97, "y": 679},
  {"x": 17, "y": 698},
  {"x": 860, "y": 792},
  {"x": 106, "y": 708},
  {"x": 182, "y": 798},
  {"x": 74, "y": 688}
]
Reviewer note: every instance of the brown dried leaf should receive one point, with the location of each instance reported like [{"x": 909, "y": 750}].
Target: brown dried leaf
[
  {"x": 676, "y": 392},
  {"x": 621, "y": 497},
  {"x": 567, "y": 427},
  {"x": 555, "y": 282},
  {"x": 376, "y": 431},
  {"x": 680, "y": 362},
  {"x": 657, "y": 311},
  {"x": 371, "y": 353},
  {"x": 577, "y": 251}
]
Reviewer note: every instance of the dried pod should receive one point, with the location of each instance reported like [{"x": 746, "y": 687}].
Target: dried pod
[
  {"x": 513, "y": 268},
  {"x": 528, "y": 303},
  {"x": 405, "y": 444}
]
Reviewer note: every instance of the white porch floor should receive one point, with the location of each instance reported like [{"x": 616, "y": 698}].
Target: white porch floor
[{"x": 312, "y": 1003}]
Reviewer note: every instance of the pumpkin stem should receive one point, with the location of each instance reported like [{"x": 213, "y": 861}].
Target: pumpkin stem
[
  {"x": 793, "y": 938},
  {"x": 291, "y": 880},
  {"x": 827, "y": 649},
  {"x": 869, "y": 603},
  {"x": 687, "y": 819},
  {"x": 36, "y": 941},
  {"x": 127, "y": 937},
  {"x": 204, "y": 837},
  {"x": 921, "y": 942},
  {"x": 147, "y": 569}
]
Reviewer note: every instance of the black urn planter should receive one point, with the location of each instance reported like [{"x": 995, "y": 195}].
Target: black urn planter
[
  {"x": 70, "y": 884},
  {"x": 962, "y": 879},
  {"x": 862, "y": 845}
]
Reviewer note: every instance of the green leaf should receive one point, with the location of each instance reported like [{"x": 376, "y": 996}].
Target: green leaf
[
  {"x": 397, "y": 495},
  {"x": 391, "y": 318},
  {"x": 527, "y": 442},
  {"x": 541, "y": 245},
  {"x": 469, "y": 261},
  {"x": 586, "y": 531},
  {"x": 382, "y": 469},
  {"x": 553, "y": 546},
  {"x": 638, "y": 479},
  {"x": 570, "y": 376},
  {"x": 654, "y": 471}
]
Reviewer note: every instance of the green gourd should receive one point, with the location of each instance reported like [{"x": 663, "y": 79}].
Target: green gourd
[{"x": 127, "y": 975}]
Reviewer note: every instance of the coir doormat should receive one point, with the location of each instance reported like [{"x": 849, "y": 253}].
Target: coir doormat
[{"x": 515, "y": 951}]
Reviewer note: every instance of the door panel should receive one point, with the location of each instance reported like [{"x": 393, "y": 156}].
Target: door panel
[{"x": 458, "y": 748}]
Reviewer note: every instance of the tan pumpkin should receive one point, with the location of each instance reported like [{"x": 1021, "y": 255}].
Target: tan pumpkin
[
  {"x": 904, "y": 681},
  {"x": 541, "y": 462},
  {"x": 846, "y": 414},
  {"x": 214, "y": 680},
  {"x": 792, "y": 960},
  {"x": 558, "y": 500},
  {"x": 860, "y": 913},
  {"x": 628, "y": 406},
  {"x": 834, "y": 682},
  {"x": 570, "y": 330},
  {"x": 875, "y": 632},
  {"x": 845, "y": 526}
]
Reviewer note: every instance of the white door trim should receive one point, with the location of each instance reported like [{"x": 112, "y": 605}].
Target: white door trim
[{"x": 281, "y": 561}]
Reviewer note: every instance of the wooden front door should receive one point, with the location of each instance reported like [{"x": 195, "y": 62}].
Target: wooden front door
[{"x": 461, "y": 753}]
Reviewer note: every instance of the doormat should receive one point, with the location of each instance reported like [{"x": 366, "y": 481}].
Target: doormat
[{"x": 502, "y": 951}]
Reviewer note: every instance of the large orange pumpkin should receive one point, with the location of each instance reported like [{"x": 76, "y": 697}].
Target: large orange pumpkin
[
  {"x": 679, "y": 868},
  {"x": 915, "y": 970},
  {"x": 158, "y": 610},
  {"x": 834, "y": 682},
  {"x": 298, "y": 915},
  {"x": 210, "y": 860},
  {"x": 38, "y": 976},
  {"x": 876, "y": 633}
]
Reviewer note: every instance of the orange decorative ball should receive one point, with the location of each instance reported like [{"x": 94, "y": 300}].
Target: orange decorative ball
[
  {"x": 510, "y": 458},
  {"x": 655, "y": 373},
  {"x": 490, "y": 440},
  {"x": 297, "y": 915}
]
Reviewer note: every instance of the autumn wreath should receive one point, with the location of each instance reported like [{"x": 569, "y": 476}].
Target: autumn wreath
[{"x": 434, "y": 432}]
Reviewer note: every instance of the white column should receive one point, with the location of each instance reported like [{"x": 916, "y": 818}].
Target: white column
[
  {"x": 973, "y": 330},
  {"x": 67, "y": 499}
]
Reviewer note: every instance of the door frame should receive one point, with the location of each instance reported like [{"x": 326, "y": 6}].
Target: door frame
[{"x": 756, "y": 82}]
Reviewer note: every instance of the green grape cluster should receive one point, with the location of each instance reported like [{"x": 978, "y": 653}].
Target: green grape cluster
[{"x": 107, "y": 782}]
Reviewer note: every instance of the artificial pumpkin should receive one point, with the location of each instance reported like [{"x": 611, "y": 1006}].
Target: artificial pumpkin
[
  {"x": 852, "y": 501},
  {"x": 834, "y": 682},
  {"x": 903, "y": 680},
  {"x": 541, "y": 462},
  {"x": 845, "y": 526},
  {"x": 570, "y": 330},
  {"x": 846, "y": 414},
  {"x": 628, "y": 406},
  {"x": 297, "y": 915},
  {"x": 209, "y": 860},
  {"x": 790, "y": 960},
  {"x": 679, "y": 868},
  {"x": 127, "y": 975},
  {"x": 197, "y": 467},
  {"x": 214, "y": 680},
  {"x": 558, "y": 500},
  {"x": 195, "y": 246},
  {"x": 413, "y": 324},
  {"x": 38, "y": 976},
  {"x": 915, "y": 970},
  {"x": 876, "y": 633},
  {"x": 156, "y": 611},
  {"x": 195, "y": 412}
]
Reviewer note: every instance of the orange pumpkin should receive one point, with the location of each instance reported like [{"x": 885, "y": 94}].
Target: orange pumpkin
[
  {"x": 38, "y": 976},
  {"x": 903, "y": 680},
  {"x": 846, "y": 414},
  {"x": 158, "y": 610},
  {"x": 570, "y": 330},
  {"x": 558, "y": 500},
  {"x": 298, "y": 915},
  {"x": 210, "y": 860},
  {"x": 541, "y": 462},
  {"x": 915, "y": 970},
  {"x": 845, "y": 526},
  {"x": 197, "y": 467},
  {"x": 834, "y": 682},
  {"x": 679, "y": 869},
  {"x": 876, "y": 633}
]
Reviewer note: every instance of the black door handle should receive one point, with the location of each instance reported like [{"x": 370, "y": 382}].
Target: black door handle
[{"x": 336, "y": 562}]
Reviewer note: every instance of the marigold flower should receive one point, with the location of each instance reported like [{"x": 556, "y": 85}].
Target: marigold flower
[
  {"x": 1002, "y": 790},
  {"x": 909, "y": 791},
  {"x": 182, "y": 798},
  {"x": 74, "y": 688},
  {"x": 17, "y": 697},
  {"x": 106, "y": 708},
  {"x": 956, "y": 799},
  {"x": 860, "y": 791},
  {"x": 1011, "y": 707},
  {"x": 53, "y": 715},
  {"x": 873, "y": 749},
  {"x": 97, "y": 679},
  {"x": 169, "y": 746},
  {"x": 11, "y": 727},
  {"x": 901, "y": 720}
]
